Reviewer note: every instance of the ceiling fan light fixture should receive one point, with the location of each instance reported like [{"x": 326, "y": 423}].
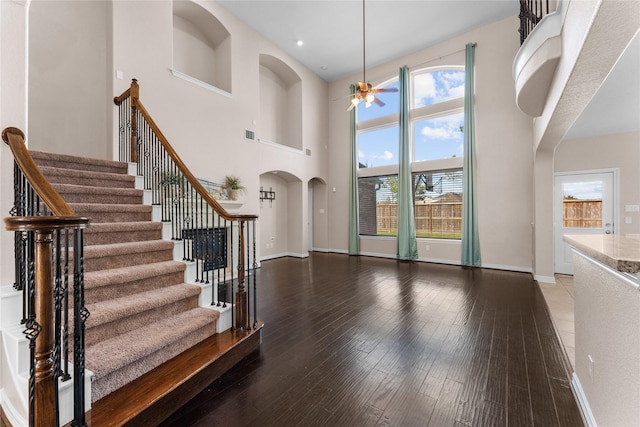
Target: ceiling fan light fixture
[
  {"x": 355, "y": 101},
  {"x": 370, "y": 97}
]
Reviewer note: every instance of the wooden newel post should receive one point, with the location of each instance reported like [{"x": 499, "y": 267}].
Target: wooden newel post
[
  {"x": 44, "y": 393},
  {"x": 241, "y": 295},
  {"x": 135, "y": 95}
]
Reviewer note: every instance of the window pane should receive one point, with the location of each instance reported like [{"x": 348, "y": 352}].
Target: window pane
[
  {"x": 438, "y": 204},
  {"x": 391, "y": 105},
  {"x": 439, "y": 138},
  {"x": 582, "y": 204},
  {"x": 437, "y": 86},
  {"x": 378, "y": 205},
  {"x": 378, "y": 147}
]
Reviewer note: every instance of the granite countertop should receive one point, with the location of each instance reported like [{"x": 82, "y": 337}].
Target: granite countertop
[{"x": 619, "y": 251}]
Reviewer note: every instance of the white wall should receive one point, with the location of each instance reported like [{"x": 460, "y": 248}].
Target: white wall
[
  {"x": 13, "y": 112},
  {"x": 607, "y": 321},
  {"x": 274, "y": 218},
  {"x": 504, "y": 154},
  {"x": 192, "y": 52},
  {"x": 320, "y": 214},
  {"x": 589, "y": 50},
  {"x": 620, "y": 151},
  {"x": 207, "y": 128},
  {"x": 273, "y": 108},
  {"x": 69, "y": 77}
]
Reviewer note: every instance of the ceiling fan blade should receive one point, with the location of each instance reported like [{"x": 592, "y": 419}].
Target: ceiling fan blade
[
  {"x": 382, "y": 90},
  {"x": 378, "y": 102},
  {"x": 351, "y": 106}
]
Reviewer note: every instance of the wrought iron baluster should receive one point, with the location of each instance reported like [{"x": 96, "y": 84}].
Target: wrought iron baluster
[
  {"x": 81, "y": 314},
  {"x": 255, "y": 279},
  {"x": 65, "y": 326},
  {"x": 32, "y": 330},
  {"x": 232, "y": 281}
]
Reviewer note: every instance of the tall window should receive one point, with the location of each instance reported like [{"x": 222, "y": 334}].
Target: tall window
[{"x": 437, "y": 122}]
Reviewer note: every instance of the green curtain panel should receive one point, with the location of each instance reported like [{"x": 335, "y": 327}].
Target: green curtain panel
[
  {"x": 470, "y": 239},
  {"x": 354, "y": 231},
  {"x": 407, "y": 245}
]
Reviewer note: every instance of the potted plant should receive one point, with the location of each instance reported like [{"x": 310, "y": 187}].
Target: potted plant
[{"x": 232, "y": 184}]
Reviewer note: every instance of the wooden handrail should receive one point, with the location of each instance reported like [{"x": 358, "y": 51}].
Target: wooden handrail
[
  {"x": 135, "y": 102},
  {"x": 54, "y": 202},
  {"x": 120, "y": 99},
  {"x": 40, "y": 323}
]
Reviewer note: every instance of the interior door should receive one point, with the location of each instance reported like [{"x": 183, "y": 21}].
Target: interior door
[{"x": 583, "y": 204}]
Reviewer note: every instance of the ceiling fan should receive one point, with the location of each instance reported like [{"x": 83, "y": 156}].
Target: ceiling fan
[{"x": 364, "y": 91}]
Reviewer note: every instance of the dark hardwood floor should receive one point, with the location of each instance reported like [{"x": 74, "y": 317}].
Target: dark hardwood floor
[{"x": 358, "y": 341}]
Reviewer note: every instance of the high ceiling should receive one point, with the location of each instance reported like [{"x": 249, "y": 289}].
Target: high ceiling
[{"x": 331, "y": 31}]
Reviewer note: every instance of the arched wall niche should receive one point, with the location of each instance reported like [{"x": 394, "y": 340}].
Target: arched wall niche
[
  {"x": 201, "y": 45},
  {"x": 280, "y": 103}
]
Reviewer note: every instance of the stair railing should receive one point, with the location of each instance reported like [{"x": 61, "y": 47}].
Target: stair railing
[
  {"x": 531, "y": 12},
  {"x": 44, "y": 224},
  {"x": 215, "y": 240}
]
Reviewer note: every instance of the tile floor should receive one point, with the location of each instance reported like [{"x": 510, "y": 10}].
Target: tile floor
[{"x": 559, "y": 298}]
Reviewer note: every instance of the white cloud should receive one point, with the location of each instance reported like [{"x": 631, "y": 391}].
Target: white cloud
[
  {"x": 437, "y": 133},
  {"x": 456, "y": 92},
  {"x": 447, "y": 127},
  {"x": 360, "y": 154},
  {"x": 386, "y": 155},
  {"x": 434, "y": 87},
  {"x": 424, "y": 87}
]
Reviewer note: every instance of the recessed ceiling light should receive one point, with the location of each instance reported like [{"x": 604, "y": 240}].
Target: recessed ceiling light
[
  {"x": 323, "y": 67},
  {"x": 299, "y": 42}
]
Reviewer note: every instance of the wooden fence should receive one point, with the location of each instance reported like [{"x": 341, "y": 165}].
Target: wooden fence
[
  {"x": 582, "y": 213},
  {"x": 432, "y": 219}
]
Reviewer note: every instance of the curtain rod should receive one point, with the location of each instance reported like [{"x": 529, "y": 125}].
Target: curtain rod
[{"x": 440, "y": 57}]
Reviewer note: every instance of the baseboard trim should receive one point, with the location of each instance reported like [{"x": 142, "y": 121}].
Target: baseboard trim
[
  {"x": 507, "y": 268},
  {"x": 284, "y": 254},
  {"x": 583, "y": 404},
  {"x": 544, "y": 279}
]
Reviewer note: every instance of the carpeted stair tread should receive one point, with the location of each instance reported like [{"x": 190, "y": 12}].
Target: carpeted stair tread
[
  {"x": 80, "y": 177},
  {"x": 116, "y": 255},
  {"x": 78, "y": 163},
  {"x": 98, "y": 212},
  {"x": 101, "y": 233},
  {"x": 103, "y": 285},
  {"x": 130, "y": 248},
  {"x": 118, "y": 308},
  {"x": 73, "y": 193},
  {"x": 124, "y": 275},
  {"x": 126, "y": 348},
  {"x": 120, "y": 360}
]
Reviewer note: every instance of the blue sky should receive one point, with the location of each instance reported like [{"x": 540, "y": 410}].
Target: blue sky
[
  {"x": 433, "y": 139},
  {"x": 583, "y": 190}
]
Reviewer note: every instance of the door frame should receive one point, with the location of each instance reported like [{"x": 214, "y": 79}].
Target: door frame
[
  {"x": 615, "y": 197},
  {"x": 310, "y": 217}
]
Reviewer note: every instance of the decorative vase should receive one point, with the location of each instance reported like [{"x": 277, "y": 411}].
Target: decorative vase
[{"x": 233, "y": 194}]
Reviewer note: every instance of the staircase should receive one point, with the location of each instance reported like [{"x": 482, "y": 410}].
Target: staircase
[{"x": 142, "y": 311}]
